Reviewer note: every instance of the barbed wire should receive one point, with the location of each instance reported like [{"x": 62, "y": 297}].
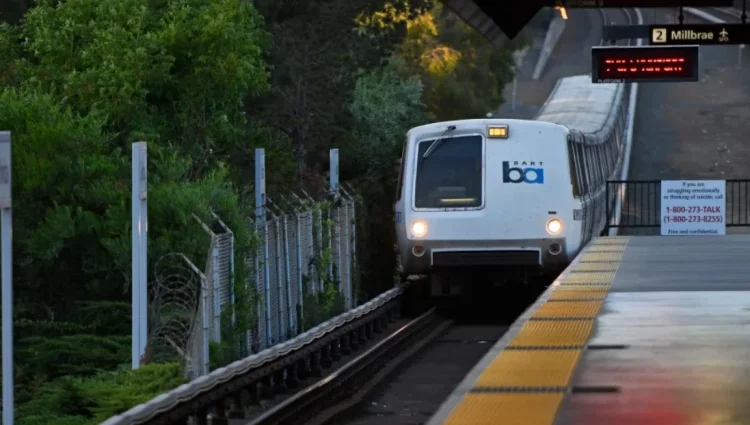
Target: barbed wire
[{"x": 174, "y": 300}]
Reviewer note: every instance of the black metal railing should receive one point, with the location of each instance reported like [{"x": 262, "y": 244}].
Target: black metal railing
[{"x": 640, "y": 212}]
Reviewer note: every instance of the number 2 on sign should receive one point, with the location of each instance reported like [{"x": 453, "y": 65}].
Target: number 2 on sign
[{"x": 659, "y": 35}]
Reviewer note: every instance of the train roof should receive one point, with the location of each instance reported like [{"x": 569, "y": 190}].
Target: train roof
[
  {"x": 470, "y": 124},
  {"x": 579, "y": 104}
]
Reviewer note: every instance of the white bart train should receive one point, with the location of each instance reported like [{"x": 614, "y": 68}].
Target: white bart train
[{"x": 520, "y": 197}]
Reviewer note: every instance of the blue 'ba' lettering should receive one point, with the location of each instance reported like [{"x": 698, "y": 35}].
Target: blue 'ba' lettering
[{"x": 522, "y": 175}]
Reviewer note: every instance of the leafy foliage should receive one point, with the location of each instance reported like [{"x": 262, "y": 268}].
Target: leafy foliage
[
  {"x": 9, "y": 49},
  {"x": 176, "y": 69},
  {"x": 463, "y": 74},
  {"x": 384, "y": 107},
  {"x": 77, "y": 236},
  {"x": 89, "y": 401},
  {"x": 319, "y": 49}
]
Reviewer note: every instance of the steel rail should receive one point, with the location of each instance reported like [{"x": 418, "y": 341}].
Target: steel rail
[{"x": 331, "y": 395}]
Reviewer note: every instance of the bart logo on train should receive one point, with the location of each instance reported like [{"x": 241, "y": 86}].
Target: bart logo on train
[{"x": 522, "y": 173}]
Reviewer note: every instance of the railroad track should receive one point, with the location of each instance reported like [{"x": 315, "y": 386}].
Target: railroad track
[
  {"x": 414, "y": 392},
  {"x": 323, "y": 372},
  {"x": 404, "y": 376},
  {"x": 323, "y": 400}
]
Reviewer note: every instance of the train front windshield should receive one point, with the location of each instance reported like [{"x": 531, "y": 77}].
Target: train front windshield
[{"x": 451, "y": 174}]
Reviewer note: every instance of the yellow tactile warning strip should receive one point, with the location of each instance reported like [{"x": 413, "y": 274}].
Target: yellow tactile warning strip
[
  {"x": 601, "y": 257},
  {"x": 552, "y": 334},
  {"x": 570, "y": 310},
  {"x": 526, "y": 382},
  {"x": 615, "y": 240},
  {"x": 596, "y": 267},
  {"x": 575, "y": 293},
  {"x": 588, "y": 278},
  {"x": 606, "y": 248},
  {"x": 523, "y": 369},
  {"x": 570, "y": 288},
  {"x": 513, "y": 408}
]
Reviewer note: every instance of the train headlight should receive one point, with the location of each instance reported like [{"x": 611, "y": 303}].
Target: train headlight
[
  {"x": 419, "y": 228},
  {"x": 554, "y": 226}
]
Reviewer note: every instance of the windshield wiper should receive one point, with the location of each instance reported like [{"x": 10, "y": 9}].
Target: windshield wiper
[{"x": 437, "y": 141}]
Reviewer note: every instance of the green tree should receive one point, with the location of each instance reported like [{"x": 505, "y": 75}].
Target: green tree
[
  {"x": 171, "y": 72},
  {"x": 463, "y": 73},
  {"x": 384, "y": 106},
  {"x": 8, "y": 52},
  {"x": 319, "y": 48}
]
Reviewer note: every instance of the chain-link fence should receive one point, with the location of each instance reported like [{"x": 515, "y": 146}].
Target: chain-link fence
[{"x": 302, "y": 273}]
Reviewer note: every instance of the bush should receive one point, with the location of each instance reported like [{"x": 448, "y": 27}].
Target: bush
[{"x": 89, "y": 401}]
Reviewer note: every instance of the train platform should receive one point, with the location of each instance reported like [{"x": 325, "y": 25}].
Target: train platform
[{"x": 647, "y": 330}]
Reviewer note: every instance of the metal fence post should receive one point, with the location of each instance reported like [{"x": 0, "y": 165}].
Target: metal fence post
[
  {"x": 339, "y": 258},
  {"x": 354, "y": 246},
  {"x": 232, "y": 295},
  {"x": 300, "y": 274},
  {"x": 319, "y": 218},
  {"x": 6, "y": 203},
  {"x": 206, "y": 365},
  {"x": 250, "y": 285},
  {"x": 347, "y": 258},
  {"x": 279, "y": 279},
  {"x": 139, "y": 268},
  {"x": 333, "y": 174},
  {"x": 262, "y": 223},
  {"x": 288, "y": 277},
  {"x": 239, "y": 345},
  {"x": 333, "y": 177},
  {"x": 607, "y": 194},
  {"x": 215, "y": 280}
]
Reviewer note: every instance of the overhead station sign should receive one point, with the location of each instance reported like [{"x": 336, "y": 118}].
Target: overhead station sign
[
  {"x": 665, "y": 35},
  {"x": 644, "y": 64}
]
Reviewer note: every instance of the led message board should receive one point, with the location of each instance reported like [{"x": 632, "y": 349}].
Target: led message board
[{"x": 644, "y": 64}]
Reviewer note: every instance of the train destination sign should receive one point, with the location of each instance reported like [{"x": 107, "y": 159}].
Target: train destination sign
[
  {"x": 693, "y": 207},
  {"x": 644, "y": 64},
  {"x": 701, "y": 34}
]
